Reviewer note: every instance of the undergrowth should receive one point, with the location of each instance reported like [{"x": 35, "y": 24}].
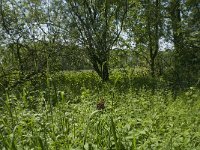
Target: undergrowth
[{"x": 64, "y": 115}]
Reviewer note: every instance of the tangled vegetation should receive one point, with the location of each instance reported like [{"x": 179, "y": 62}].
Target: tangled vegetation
[
  {"x": 61, "y": 116},
  {"x": 99, "y": 75}
]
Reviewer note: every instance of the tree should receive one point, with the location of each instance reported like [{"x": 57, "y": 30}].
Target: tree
[
  {"x": 20, "y": 26},
  {"x": 153, "y": 21},
  {"x": 145, "y": 29},
  {"x": 99, "y": 24},
  {"x": 185, "y": 27}
]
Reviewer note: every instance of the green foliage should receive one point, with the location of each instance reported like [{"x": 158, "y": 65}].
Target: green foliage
[
  {"x": 141, "y": 94},
  {"x": 62, "y": 118}
]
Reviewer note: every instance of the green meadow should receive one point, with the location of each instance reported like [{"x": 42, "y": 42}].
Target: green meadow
[{"x": 63, "y": 113}]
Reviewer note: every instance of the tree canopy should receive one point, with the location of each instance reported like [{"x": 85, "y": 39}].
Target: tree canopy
[{"x": 86, "y": 34}]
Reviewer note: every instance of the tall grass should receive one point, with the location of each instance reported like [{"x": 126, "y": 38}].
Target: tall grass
[{"x": 64, "y": 116}]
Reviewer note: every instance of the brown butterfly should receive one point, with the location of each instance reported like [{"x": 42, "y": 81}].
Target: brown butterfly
[{"x": 101, "y": 104}]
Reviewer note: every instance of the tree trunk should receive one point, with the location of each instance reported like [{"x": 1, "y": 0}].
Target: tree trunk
[
  {"x": 175, "y": 14},
  {"x": 176, "y": 25},
  {"x": 153, "y": 35},
  {"x": 102, "y": 70},
  {"x": 105, "y": 72},
  {"x": 21, "y": 71},
  {"x": 152, "y": 68}
]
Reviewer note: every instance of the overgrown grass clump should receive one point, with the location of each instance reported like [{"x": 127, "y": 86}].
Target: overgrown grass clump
[{"x": 64, "y": 115}]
